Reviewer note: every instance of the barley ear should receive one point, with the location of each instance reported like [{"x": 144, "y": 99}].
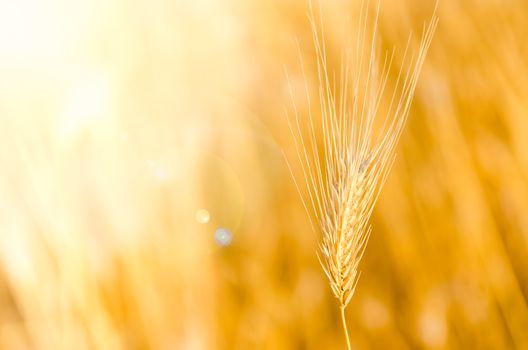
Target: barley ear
[{"x": 345, "y": 163}]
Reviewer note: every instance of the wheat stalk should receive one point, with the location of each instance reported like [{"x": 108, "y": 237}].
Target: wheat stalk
[{"x": 345, "y": 167}]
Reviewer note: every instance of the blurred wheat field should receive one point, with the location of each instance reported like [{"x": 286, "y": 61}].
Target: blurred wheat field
[{"x": 146, "y": 202}]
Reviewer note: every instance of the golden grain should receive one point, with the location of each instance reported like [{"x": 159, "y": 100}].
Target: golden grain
[{"x": 345, "y": 167}]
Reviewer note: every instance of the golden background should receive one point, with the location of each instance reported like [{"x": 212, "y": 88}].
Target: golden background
[{"x": 146, "y": 202}]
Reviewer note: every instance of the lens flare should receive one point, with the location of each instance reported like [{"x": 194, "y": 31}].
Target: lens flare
[
  {"x": 202, "y": 216},
  {"x": 223, "y": 237}
]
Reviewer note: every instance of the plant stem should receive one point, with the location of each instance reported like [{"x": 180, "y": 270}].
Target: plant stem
[{"x": 345, "y": 327}]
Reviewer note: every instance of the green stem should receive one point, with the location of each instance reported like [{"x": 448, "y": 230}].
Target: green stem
[{"x": 345, "y": 327}]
